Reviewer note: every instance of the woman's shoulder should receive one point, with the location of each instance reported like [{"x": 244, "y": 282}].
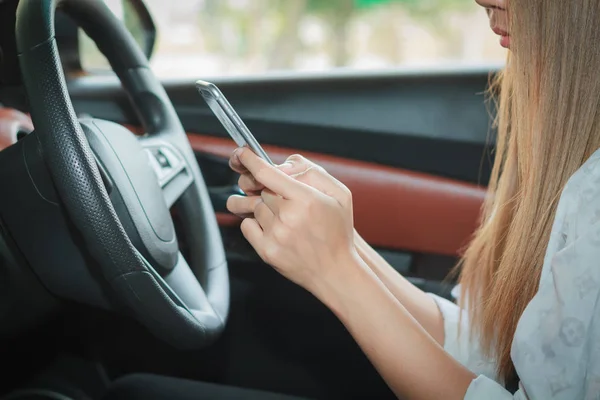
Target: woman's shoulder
[
  {"x": 570, "y": 268},
  {"x": 580, "y": 208},
  {"x": 586, "y": 180}
]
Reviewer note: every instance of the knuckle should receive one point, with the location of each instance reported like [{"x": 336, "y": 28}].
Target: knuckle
[
  {"x": 281, "y": 233},
  {"x": 288, "y": 218},
  {"x": 270, "y": 254},
  {"x": 311, "y": 204},
  {"x": 346, "y": 194}
]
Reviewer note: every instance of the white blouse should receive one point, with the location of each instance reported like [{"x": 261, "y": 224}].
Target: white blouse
[{"x": 556, "y": 348}]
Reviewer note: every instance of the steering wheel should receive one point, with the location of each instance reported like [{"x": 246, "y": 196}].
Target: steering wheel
[{"x": 107, "y": 193}]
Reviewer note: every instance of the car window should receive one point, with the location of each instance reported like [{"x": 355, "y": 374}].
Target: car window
[{"x": 203, "y": 38}]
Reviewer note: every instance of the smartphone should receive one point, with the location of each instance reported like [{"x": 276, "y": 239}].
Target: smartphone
[{"x": 232, "y": 122}]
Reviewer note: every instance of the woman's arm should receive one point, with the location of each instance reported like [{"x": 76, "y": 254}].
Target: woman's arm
[
  {"x": 439, "y": 317},
  {"x": 420, "y": 305},
  {"x": 411, "y": 362},
  {"x": 308, "y": 236}
]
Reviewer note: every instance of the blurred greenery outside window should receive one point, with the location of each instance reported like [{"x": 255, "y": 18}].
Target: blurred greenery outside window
[{"x": 208, "y": 38}]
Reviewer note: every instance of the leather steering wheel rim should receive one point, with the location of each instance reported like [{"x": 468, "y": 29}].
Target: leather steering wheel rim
[{"x": 185, "y": 305}]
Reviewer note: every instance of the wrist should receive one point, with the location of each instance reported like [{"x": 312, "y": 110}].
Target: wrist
[{"x": 343, "y": 284}]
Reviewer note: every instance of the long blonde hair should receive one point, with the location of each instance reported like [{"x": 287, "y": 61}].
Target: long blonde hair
[{"x": 548, "y": 124}]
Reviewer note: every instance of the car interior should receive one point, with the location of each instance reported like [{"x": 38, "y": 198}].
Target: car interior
[{"x": 122, "y": 275}]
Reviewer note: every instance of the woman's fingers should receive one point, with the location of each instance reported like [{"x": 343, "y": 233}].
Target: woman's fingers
[
  {"x": 269, "y": 176},
  {"x": 290, "y": 167},
  {"x": 293, "y": 165},
  {"x": 253, "y": 233},
  {"x": 317, "y": 178},
  {"x": 242, "y": 205},
  {"x": 235, "y": 163},
  {"x": 264, "y": 216},
  {"x": 249, "y": 185},
  {"x": 272, "y": 200},
  {"x": 272, "y": 183},
  {"x": 296, "y": 164}
]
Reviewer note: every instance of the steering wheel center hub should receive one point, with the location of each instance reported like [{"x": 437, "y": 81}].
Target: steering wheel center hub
[{"x": 129, "y": 173}]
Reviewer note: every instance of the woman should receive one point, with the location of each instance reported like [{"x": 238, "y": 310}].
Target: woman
[{"x": 530, "y": 279}]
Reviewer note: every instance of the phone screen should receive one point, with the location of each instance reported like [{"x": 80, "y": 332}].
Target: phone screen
[{"x": 230, "y": 120}]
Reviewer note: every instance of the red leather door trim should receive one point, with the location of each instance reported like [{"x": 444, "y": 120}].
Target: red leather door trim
[{"x": 394, "y": 208}]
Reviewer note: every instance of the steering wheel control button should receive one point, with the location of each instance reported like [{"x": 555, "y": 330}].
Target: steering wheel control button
[
  {"x": 158, "y": 169},
  {"x": 171, "y": 159},
  {"x": 163, "y": 161}
]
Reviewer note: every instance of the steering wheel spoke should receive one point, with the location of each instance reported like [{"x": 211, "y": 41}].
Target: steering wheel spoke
[{"x": 170, "y": 167}]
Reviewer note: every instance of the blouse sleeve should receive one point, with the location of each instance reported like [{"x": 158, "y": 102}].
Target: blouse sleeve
[{"x": 458, "y": 341}]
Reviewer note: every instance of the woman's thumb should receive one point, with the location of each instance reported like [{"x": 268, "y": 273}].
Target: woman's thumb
[{"x": 294, "y": 165}]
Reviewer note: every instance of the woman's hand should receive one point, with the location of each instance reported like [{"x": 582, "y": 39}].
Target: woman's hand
[
  {"x": 250, "y": 186},
  {"x": 295, "y": 166},
  {"x": 302, "y": 225}
]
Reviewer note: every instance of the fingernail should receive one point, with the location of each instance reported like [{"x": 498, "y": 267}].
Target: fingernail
[
  {"x": 286, "y": 165},
  {"x": 237, "y": 154}
]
